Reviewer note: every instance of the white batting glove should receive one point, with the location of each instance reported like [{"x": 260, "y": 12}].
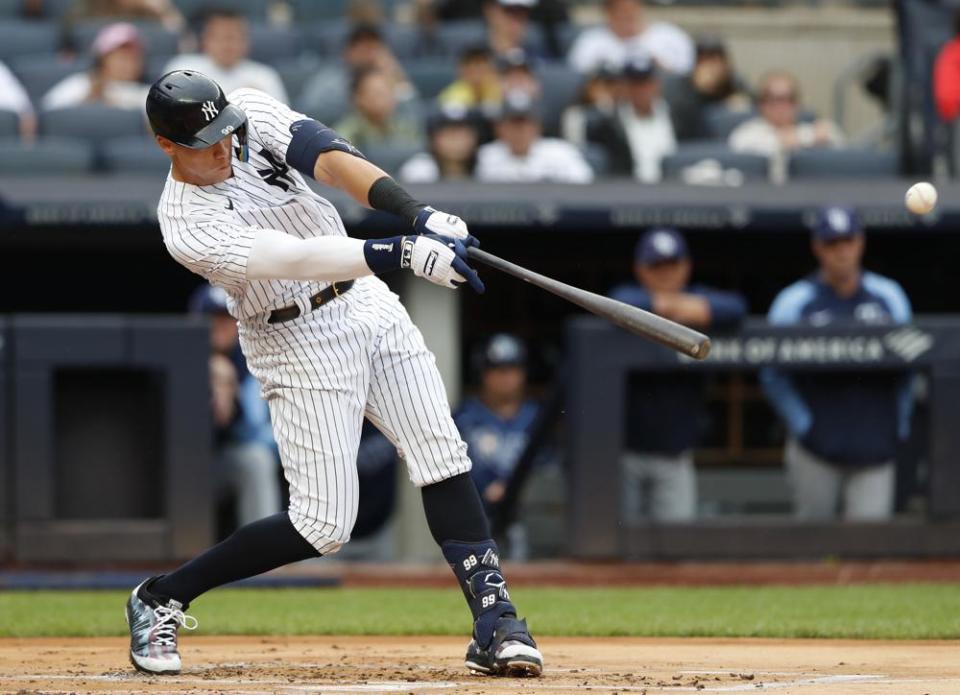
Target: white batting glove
[
  {"x": 430, "y": 221},
  {"x": 441, "y": 261}
]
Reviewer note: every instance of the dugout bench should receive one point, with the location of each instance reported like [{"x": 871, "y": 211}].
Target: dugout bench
[{"x": 600, "y": 359}]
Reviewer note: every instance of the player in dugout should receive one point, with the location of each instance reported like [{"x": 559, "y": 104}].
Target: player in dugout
[{"x": 664, "y": 411}]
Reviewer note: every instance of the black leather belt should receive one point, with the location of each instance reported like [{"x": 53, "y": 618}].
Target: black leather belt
[{"x": 288, "y": 313}]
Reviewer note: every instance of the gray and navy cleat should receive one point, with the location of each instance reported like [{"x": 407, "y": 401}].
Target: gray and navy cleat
[
  {"x": 154, "y": 622},
  {"x": 512, "y": 651}
]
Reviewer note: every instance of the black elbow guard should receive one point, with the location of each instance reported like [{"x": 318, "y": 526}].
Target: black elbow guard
[{"x": 311, "y": 139}]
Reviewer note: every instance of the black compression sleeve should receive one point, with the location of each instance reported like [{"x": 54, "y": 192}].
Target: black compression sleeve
[{"x": 387, "y": 195}]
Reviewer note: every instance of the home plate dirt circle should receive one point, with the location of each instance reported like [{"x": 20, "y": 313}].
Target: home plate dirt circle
[{"x": 330, "y": 664}]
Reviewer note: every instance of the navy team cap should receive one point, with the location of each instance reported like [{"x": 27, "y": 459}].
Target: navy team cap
[
  {"x": 837, "y": 222},
  {"x": 661, "y": 245},
  {"x": 504, "y": 350},
  {"x": 639, "y": 66}
]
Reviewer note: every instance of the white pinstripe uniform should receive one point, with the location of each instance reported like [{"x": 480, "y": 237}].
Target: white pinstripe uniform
[{"x": 357, "y": 355}]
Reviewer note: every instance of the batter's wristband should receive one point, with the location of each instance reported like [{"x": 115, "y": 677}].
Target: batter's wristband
[
  {"x": 387, "y": 195},
  {"x": 386, "y": 255}
]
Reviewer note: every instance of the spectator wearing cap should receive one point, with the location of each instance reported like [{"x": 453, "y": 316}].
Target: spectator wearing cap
[
  {"x": 375, "y": 119},
  {"x": 116, "y": 78},
  {"x": 712, "y": 83},
  {"x": 664, "y": 412},
  {"x": 508, "y": 25},
  {"x": 518, "y": 73},
  {"x": 453, "y": 138},
  {"x": 225, "y": 46},
  {"x": 626, "y": 32},
  {"x": 521, "y": 154},
  {"x": 843, "y": 429},
  {"x": 497, "y": 423},
  {"x": 639, "y": 133},
  {"x": 13, "y": 97},
  {"x": 326, "y": 96},
  {"x": 477, "y": 85},
  {"x": 247, "y": 461},
  {"x": 778, "y": 130}
]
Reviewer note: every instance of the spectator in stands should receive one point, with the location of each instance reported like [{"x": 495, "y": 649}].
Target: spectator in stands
[
  {"x": 664, "y": 412},
  {"x": 478, "y": 82},
  {"x": 225, "y": 45},
  {"x": 13, "y": 97},
  {"x": 374, "y": 120},
  {"x": 497, "y": 423},
  {"x": 627, "y": 31},
  {"x": 247, "y": 461},
  {"x": 946, "y": 75},
  {"x": 639, "y": 133},
  {"x": 777, "y": 130},
  {"x": 453, "y": 138},
  {"x": 115, "y": 78},
  {"x": 162, "y": 11},
  {"x": 508, "y": 25},
  {"x": 843, "y": 428},
  {"x": 517, "y": 73},
  {"x": 596, "y": 101},
  {"x": 520, "y": 153},
  {"x": 327, "y": 95},
  {"x": 711, "y": 84}
]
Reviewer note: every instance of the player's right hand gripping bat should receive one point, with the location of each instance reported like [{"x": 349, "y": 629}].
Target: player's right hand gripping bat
[{"x": 637, "y": 321}]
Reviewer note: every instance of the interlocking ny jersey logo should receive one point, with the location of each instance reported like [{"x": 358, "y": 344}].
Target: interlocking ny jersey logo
[
  {"x": 276, "y": 172},
  {"x": 209, "y": 110}
]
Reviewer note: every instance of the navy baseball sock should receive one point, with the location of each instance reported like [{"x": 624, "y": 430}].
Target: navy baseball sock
[
  {"x": 456, "y": 520},
  {"x": 253, "y": 549}
]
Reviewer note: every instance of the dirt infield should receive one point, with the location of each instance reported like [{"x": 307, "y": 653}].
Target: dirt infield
[{"x": 297, "y": 666}]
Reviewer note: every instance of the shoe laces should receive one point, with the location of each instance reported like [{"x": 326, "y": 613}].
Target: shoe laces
[{"x": 168, "y": 621}]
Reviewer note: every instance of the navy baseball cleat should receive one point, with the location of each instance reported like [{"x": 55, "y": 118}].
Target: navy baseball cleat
[
  {"x": 511, "y": 652},
  {"x": 153, "y": 630}
]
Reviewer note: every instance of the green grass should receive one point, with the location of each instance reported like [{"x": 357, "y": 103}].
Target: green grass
[{"x": 902, "y": 611}]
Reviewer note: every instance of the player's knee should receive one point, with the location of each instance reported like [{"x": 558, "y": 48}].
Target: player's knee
[{"x": 326, "y": 535}]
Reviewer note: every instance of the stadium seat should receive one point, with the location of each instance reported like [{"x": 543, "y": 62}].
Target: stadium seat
[
  {"x": 823, "y": 163},
  {"x": 46, "y": 156},
  {"x": 720, "y": 121},
  {"x": 430, "y": 76},
  {"x": 254, "y": 9},
  {"x": 598, "y": 159},
  {"x": 456, "y": 36},
  {"x": 315, "y": 10},
  {"x": 18, "y": 37},
  {"x": 390, "y": 157},
  {"x": 713, "y": 162},
  {"x": 9, "y": 124},
  {"x": 39, "y": 73},
  {"x": 270, "y": 44},
  {"x": 156, "y": 39},
  {"x": 560, "y": 87},
  {"x": 135, "y": 154},
  {"x": 93, "y": 122}
]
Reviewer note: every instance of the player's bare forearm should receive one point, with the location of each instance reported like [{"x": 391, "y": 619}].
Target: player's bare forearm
[{"x": 349, "y": 173}]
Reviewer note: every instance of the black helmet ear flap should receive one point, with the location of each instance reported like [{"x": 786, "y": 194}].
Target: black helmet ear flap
[{"x": 243, "y": 151}]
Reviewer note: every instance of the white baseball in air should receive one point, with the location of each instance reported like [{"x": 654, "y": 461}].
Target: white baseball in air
[{"x": 921, "y": 198}]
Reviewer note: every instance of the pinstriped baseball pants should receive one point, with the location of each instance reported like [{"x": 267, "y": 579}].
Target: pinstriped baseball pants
[{"x": 359, "y": 355}]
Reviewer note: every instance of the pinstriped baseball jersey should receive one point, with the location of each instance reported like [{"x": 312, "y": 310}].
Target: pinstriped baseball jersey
[{"x": 358, "y": 355}]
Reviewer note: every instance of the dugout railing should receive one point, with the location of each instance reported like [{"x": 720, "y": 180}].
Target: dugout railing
[{"x": 600, "y": 359}]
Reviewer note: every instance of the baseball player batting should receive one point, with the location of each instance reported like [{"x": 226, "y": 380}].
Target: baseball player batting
[{"x": 330, "y": 345}]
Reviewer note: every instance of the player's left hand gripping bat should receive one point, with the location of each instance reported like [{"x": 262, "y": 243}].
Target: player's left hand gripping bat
[{"x": 637, "y": 321}]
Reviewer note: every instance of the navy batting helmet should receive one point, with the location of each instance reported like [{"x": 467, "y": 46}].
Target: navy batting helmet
[{"x": 190, "y": 109}]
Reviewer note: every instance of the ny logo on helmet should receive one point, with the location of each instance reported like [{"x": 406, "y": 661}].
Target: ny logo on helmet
[{"x": 209, "y": 110}]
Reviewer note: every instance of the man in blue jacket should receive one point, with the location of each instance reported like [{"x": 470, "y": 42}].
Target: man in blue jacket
[
  {"x": 843, "y": 429},
  {"x": 664, "y": 411}
]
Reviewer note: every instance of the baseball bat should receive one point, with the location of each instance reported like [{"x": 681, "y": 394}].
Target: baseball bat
[{"x": 637, "y": 321}]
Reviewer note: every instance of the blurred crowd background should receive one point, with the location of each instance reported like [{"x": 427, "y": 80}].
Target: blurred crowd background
[{"x": 797, "y": 103}]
